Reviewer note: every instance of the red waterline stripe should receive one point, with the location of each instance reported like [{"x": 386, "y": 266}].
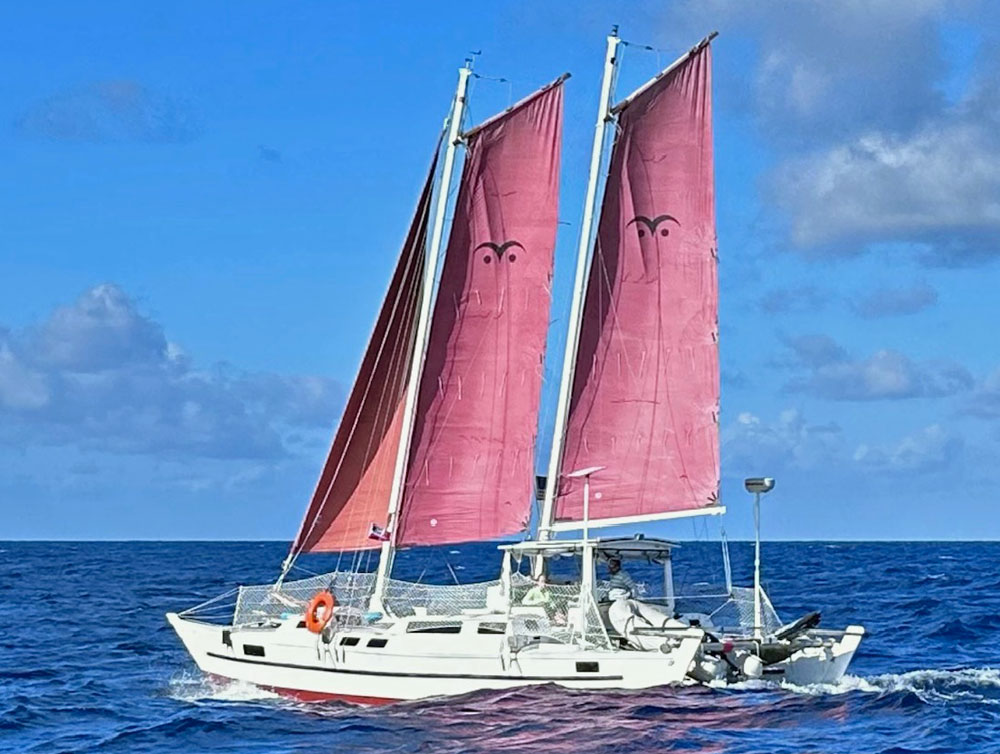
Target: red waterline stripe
[
  {"x": 320, "y": 696},
  {"x": 313, "y": 696}
]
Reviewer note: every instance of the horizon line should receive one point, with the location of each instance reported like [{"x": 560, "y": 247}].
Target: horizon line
[{"x": 673, "y": 539}]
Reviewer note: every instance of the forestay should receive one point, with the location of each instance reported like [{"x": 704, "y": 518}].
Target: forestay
[{"x": 354, "y": 485}]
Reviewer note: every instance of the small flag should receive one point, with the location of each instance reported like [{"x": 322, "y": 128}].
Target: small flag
[{"x": 378, "y": 533}]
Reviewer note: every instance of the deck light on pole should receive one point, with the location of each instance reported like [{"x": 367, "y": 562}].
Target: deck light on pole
[
  {"x": 757, "y": 486},
  {"x": 585, "y": 473}
]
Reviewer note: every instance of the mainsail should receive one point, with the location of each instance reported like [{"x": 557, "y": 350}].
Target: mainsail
[
  {"x": 470, "y": 465},
  {"x": 351, "y": 494},
  {"x": 645, "y": 395},
  {"x": 469, "y": 470}
]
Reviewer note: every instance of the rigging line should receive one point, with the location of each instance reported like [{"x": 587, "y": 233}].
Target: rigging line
[
  {"x": 499, "y": 80},
  {"x": 384, "y": 414},
  {"x": 378, "y": 429},
  {"x": 644, "y": 47},
  {"x": 364, "y": 399},
  {"x": 453, "y": 575},
  {"x": 399, "y": 361},
  {"x": 413, "y": 256},
  {"x": 390, "y": 386},
  {"x": 400, "y": 378}
]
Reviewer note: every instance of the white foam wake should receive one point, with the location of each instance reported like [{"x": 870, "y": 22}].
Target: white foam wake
[
  {"x": 964, "y": 684},
  {"x": 195, "y": 688},
  {"x": 975, "y": 685}
]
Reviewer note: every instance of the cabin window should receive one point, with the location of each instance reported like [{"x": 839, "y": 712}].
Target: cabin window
[
  {"x": 491, "y": 628},
  {"x": 349, "y": 641},
  {"x": 377, "y": 643},
  {"x": 433, "y": 627},
  {"x": 254, "y": 650},
  {"x": 588, "y": 667}
]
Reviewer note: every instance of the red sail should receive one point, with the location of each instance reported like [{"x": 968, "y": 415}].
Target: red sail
[
  {"x": 353, "y": 490},
  {"x": 470, "y": 471},
  {"x": 646, "y": 387}
]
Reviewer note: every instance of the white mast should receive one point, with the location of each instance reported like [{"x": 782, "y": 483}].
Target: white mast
[
  {"x": 582, "y": 269},
  {"x": 422, "y": 334}
]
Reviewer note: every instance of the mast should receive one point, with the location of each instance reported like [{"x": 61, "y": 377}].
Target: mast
[
  {"x": 579, "y": 285},
  {"x": 422, "y": 332}
]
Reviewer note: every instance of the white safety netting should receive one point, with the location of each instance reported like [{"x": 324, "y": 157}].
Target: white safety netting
[
  {"x": 731, "y": 613},
  {"x": 554, "y": 614},
  {"x": 270, "y": 602},
  {"x": 404, "y": 598},
  {"x": 558, "y": 615}
]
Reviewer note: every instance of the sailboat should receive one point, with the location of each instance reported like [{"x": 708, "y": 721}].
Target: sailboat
[{"x": 436, "y": 442}]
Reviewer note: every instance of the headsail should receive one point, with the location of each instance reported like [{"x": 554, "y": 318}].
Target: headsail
[
  {"x": 470, "y": 464},
  {"x": 351, "y": 494},
  {"x": 644, "y": 402}
]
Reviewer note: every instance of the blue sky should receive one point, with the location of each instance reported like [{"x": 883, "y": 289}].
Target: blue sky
[{"x": 201, "y": 206}]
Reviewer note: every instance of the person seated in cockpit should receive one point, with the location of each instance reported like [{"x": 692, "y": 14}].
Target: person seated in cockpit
[
  {"x": 538, "y": 594},
  {"x": 620, "y": 584}
]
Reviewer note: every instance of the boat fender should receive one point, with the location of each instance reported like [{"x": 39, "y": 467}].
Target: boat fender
[
  {"x": 751, "y": 666},
  {"x": 319, "y": 611}
]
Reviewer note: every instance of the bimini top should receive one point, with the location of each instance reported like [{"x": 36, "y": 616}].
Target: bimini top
[{"x": 624, "y": 548}]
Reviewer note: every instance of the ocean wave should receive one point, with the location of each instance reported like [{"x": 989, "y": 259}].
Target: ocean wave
[
  {"x": 90, "y": 685},
  {"x": 975, "y": 685}
]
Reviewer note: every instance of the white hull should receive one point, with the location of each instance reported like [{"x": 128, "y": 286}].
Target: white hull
[
  {"x": 291, "y": 660},
  {"x": 824, "y": 664},
  {"x": 820, "y": 657}
]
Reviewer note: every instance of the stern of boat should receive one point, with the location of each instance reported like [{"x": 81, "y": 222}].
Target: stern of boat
[{"x": 823, "y": 664}]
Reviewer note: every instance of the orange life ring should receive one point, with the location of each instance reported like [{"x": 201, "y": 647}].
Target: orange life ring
[{"x": 317, "y": 619}]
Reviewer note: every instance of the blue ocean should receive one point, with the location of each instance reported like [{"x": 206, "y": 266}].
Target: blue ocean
[{"x": 88, "y": 663}]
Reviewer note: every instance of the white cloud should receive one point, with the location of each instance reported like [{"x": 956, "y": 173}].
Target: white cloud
[
  {"x": 102, "y": 329},
  {"x": 890, "y": 302},
  {"x": 942, "y": 180},
  {"x": 827, "y": 371},
  {"x": 984, "y": 403},
  {"x": 806, "y": 298},
  {"x": 111, "y": 111},
  {"x": 930, "y": 449},
  {"x": 99, "y": 374},
  {"x": 20, "y": 387},
  {"x": 824, "y": 69},
  {"x": 879, "y": 135},
  {"x": 791, "y": 443},
  {"x": 751, "y": 443}
]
